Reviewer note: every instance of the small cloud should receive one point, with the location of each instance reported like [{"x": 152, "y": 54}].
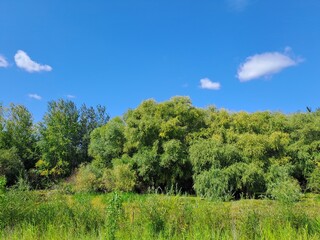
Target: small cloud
[
  {"x": 3, "y": 62},
  {"x": 205, "y": 83},
  {"x": 71, "y": 96},
  {"x": 34, "y": 96},
  {"x": 265, "y": 65},
  {"x": 23, "y": 61},
  {"x": 238, "y": 5}
]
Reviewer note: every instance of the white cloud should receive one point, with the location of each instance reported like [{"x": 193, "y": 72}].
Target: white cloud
[
  {"x": 205, "y": 83},
  {"x": 24, "y": 61},
  {"x": 265, "y": 65},
  {"x": 34, "y": 96},
  {"x": 71, "y": 96},
  {"x": 238, "y": 5},
  {"x": 3, "y": 62}
]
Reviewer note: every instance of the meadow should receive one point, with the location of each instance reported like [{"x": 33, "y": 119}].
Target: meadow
[{"x": 56, "y": 215}]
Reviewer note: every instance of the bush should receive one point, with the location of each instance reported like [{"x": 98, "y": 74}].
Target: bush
[
  {"x": 281, "y": 186},
  {"x": 10, "y": 165},
  {"x": 87, "y": 179},
  {"x": 92, "y": 178},
  {"x": 286, "y": 191},
  {"x": 212, "y": 184},
  {"x": 314, "y": 180},
  {"x": 3, "y": 182},
  {"x": 108, "y": 180},
  {"x": 120, "y": 178}
]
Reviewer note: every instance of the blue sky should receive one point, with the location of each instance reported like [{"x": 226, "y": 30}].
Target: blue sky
[{"x": 236, "y": 54}]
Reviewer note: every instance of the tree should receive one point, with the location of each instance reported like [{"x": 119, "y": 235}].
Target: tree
[
  {"x": 59, "y": 139},
  {"x": 65, "y": 136},
  {"x": 107, "y": 142},
  {"x": 21, "y": 135},
  {"x": 143, "y": 127},
  {"x": 207, "y": 154},
  {"x": 157, "y": 140},
  {"x": 175, "y": 165},
  {"x": 17, "y": 131},
  {"x": 89, "y": 119}
]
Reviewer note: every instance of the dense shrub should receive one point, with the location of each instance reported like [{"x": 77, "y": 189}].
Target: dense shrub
[
  {"x": 212, "y": 184},
  {"x": 281, "y": 186},
  {"x": 3, "y": 182},
  {"x": 314, "y": 180},
  {"x": 120, "y": 178},
  {"x": 91, "y": 178},
  {"x": 10, "y": 165},
  {"x": 87, "y": 179}
]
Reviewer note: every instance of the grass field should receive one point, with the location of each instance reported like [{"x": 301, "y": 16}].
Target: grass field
[{"x": 54, "y": 215}]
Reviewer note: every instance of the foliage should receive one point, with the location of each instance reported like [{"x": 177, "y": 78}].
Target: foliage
[
  {"x": 3, "y": 183},
  {"x": 246, "y": 179},
  {"x": 212, "y": 184},
  {"x": 87, "y": 179},
  {"x": 120, "y": 178},
  {"x": 286, "y": 191},
  {"x": 124, "y": 178},
  {"x": 90, "y": 178},
  {"x": 10, "y": 165},
  {"x": 314, "y": 180},
  {"x": 64, "y": 137},
  {"x": 60, "y": 137},
  {"x": 22, "y": 184},
  {"x": 107, "y": 141},
  {"x": 281, "y": 186},
  {"x": 17, "y": 131},
  {"x": 173, "y": 144},
  {"x": 89, "y": 120}
]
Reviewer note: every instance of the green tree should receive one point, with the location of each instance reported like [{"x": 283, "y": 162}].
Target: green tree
[
  {"x": 59, "y": 139},
  {"x": 20, "y": 134},
  {"x": 17, "y": 131},
  {"x": 65, "y": 136},
  {"x": 157, "y": 139},
  {"x": 107, "y": 142},
  {"x": 89, "y": 119},
  {"x": 207, "y": 154}
]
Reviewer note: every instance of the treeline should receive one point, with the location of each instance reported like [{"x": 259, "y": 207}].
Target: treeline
[{"x": 171, "y": 145}]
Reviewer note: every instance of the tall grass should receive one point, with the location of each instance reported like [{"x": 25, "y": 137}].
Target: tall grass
[{"x": 53, "y": 215}]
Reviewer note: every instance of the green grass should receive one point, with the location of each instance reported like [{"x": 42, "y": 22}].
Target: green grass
[{"x": 53, "y": 215}]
